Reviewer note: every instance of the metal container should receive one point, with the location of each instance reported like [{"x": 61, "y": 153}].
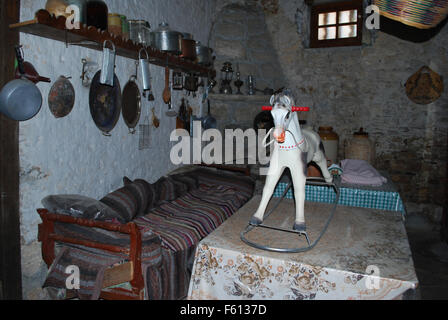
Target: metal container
[
  {"x": 165, "y": 39},
  {"x": 108, "y": 69},
  {"x": 204, "y": 54},
  {"x": 188, "y": 47},
  {"x": 114, "y": 24},
  {"x": 144, "y": 66},
  {"x": 139, "y": 32}
]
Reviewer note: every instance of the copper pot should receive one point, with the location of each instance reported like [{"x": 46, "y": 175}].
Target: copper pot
[{"x": 188, "y": 47}]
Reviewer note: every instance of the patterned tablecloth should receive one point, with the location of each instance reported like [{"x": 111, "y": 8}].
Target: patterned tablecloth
[{"x": 358, "y": 242}]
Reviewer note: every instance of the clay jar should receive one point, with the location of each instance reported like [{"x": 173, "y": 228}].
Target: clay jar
[
  {"x": 57, "y": 7},
  {"x": 97, "y": 14},
  {"x": 360, "y": 147},
  {"x": 330, "y": 140}
]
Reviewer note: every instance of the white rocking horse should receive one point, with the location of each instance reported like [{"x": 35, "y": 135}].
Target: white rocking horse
[{"x": 294, "y": 149}]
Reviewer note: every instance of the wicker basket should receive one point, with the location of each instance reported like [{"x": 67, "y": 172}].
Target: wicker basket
[
  {"x": 422, "y": 14},
  {"x": 424, "y": 87}
]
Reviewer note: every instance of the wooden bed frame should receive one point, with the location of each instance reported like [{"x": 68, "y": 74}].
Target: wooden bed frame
[{"x": 129, "y": 272}]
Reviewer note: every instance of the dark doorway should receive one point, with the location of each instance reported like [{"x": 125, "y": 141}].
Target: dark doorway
[{"x": 10, "y": 261}]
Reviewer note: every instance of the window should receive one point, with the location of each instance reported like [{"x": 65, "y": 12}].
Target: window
[{"x": 336, "y": 24}]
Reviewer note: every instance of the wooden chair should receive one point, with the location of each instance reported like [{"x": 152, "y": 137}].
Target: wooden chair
[{"x": 129, "y": 272}]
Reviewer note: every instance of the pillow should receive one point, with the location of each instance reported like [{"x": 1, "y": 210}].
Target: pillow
[
  {"x": 125, "y": 201},
  {"x": 186, "y": 182},
  {"x": 144, "y": 192},
  {"x": 165, "y": 188},
  {"x": 78, "y": 206}
]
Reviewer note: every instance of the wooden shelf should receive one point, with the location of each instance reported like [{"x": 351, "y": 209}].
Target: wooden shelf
[
  {"x": 243, "y": 98},
  {"x": 50, "y": 27}
]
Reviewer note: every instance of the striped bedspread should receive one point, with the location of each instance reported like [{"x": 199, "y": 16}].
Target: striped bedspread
[{"x": 183, "y": 223}]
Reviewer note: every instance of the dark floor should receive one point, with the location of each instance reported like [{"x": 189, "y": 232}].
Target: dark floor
[{"x": 430, "y": 258}]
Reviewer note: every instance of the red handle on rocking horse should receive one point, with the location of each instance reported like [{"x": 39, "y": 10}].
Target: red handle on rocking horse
[{"x": 294, "y": 109}]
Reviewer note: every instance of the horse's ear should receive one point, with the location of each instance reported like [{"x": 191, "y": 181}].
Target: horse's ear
[{"x": 272, "y": 100}]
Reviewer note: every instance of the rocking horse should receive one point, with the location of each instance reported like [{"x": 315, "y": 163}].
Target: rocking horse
[{"x": 294, "y": 148}]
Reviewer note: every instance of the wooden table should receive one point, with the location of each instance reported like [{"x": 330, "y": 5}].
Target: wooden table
[{"x": 357, "y": 242}]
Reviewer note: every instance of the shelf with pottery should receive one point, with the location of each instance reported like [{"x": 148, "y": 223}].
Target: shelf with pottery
[
  {"x": 48, "y": 26},
  {"x": 240, "y": 98}
]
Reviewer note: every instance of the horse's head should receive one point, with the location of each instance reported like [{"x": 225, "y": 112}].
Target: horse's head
[{"x": 282, "y": 114}]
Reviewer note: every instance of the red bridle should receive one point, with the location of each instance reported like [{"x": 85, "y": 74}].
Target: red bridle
[{"x": 294, "y": 109}]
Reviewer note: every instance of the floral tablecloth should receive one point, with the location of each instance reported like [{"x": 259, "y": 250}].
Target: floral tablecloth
[{"x": 358, "y": 242}]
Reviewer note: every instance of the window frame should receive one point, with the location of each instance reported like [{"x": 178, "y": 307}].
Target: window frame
[{"x": 336, "y": 7}]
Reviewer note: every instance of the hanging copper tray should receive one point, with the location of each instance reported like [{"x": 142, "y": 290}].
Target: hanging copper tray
[{"x": 105, "y": 104}]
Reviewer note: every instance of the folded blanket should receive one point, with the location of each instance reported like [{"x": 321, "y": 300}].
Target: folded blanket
[{"x": 360, "y": 172}]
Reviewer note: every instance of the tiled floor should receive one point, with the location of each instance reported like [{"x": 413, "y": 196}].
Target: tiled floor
[{"x": 430, "y": 258}]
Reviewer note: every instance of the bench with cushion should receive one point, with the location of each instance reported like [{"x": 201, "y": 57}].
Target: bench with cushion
[{"x": 139, "y": 241}]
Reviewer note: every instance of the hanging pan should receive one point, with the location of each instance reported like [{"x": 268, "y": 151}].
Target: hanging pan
[
  {"x": 131, "y": 108},
  {"x": 20, "y": 99},
  {"x": 209, "y": 122},
  {"x": 105, "y": 103},
  {"x": 61, "y": 98}
]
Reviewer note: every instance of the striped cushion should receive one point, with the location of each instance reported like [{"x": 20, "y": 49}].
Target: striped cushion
[
  {"x": 144, "y": 193},
  {"x": 185, "y": 182},
  {"x": 166, "y": 190},
  {"x": 150, "y": 194},
  {"x": 124, "y": 201}
]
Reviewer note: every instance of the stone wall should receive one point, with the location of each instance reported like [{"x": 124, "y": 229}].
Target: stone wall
[
  {"x": 240, "y": 36},
  {"x": 70, "y": 155},
  {"x": 353, "y": 87}
]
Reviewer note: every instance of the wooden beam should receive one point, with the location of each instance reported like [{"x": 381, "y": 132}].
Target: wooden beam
[{"x": 10, "y": 251}]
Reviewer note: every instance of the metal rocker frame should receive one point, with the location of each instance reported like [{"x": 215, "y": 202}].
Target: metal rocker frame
[{"x": 251, "y": 227}]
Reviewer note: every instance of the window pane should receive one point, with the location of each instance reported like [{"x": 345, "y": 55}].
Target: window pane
[
  {"x": 349, "y": 31},
  {"x": 348, "y": 16},
  {"x": 327, "y": 18},
  {"x": 327, "y": 33}
]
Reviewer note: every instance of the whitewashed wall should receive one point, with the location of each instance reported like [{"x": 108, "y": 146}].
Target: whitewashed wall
[{"x": 70, "y": 155}]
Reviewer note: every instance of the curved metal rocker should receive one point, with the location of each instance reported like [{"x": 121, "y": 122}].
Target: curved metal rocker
[{"x": 251, "y": 227}]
